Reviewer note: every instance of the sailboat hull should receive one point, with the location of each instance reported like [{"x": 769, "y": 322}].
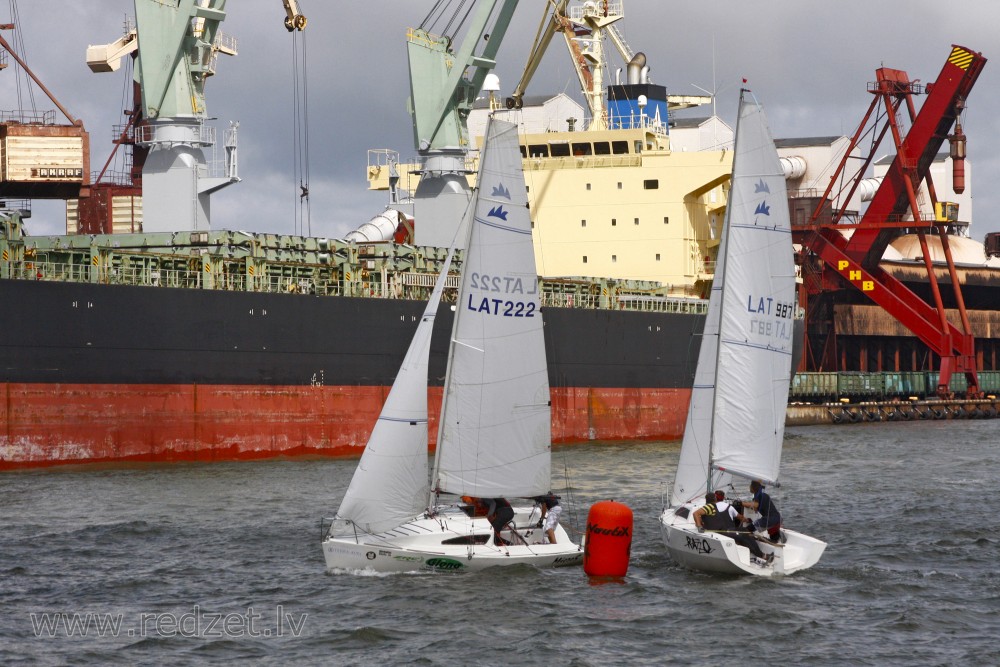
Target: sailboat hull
[
  {"x": 449, "y": 541},
  {"x": 712, "y": 552}
]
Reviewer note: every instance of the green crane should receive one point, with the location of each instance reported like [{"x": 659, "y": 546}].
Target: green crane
[{"x": 444, "y": 84}]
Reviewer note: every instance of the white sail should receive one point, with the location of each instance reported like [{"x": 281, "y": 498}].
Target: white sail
[
  {"x": 390, "y": 484},
  {"x": 737, "y": 414},
  {"x": 495, "y": 426},
  {"x": 693, "y": 465}
]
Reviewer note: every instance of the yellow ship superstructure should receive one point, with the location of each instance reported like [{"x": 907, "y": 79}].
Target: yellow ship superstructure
[{"x": 620, "y": 203}]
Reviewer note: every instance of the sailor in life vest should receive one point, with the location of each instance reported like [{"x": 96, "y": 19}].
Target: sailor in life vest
[{"x": 720, "y": 517}]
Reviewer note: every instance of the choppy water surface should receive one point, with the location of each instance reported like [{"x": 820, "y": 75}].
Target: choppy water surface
[{"x": 221, "y": 562}]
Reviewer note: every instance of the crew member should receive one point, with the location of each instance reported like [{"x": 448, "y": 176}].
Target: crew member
[
  {"x": 551, "y": 509},
  {"x": 720, "y": 517},
  {"x": 770, "y": 518},
  {"x": 499, "y": 513}
]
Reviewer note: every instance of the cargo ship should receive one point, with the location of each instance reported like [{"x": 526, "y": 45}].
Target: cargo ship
[
  {"x": 157, "y": 354},
  {"x": 171, "y": 341},
  {"x": 178, "y": 342}
]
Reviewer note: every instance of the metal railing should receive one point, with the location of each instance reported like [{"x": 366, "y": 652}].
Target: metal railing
[
  {"x": 404, "y": 285},
  {"x": 202, "y": 135},
  {"x": 29, "y": 118}
]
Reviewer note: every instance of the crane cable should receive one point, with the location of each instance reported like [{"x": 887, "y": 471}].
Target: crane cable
[
  {"x": 18, "y": 42},
  {"x": 439, "y": 8},
  {"x": 300, "y": 128}
]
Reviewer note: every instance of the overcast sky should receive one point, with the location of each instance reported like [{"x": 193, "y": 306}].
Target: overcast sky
[{"x": 808, "y": 62}]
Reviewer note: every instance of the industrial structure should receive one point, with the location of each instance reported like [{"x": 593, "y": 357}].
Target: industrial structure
[{"x": 839, "y": 251}]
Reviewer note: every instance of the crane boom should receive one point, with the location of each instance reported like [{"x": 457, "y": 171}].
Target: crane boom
[
  {"x": 855, "y": 259},
  {"x": 442, "y": 89},
  {"x": 551, "y": 24}
]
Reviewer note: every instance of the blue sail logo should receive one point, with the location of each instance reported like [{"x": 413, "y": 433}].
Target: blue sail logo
[
  {"x": 501, "y": 191},
  {"x": 497, "y": 212},
  {"x": 761, "y": 187},
  {"x": 763, "y": 209}
]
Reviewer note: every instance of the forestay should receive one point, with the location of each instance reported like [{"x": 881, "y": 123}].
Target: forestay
[
  {"x": 740, "y": 394},
  {"x": 495, "y": 435},
  {"x": 390, "y": 484}
]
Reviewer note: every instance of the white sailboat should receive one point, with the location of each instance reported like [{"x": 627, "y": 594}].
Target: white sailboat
[
  {"x": 494, "y": 439},
  {"x": 735, "y": 422}
]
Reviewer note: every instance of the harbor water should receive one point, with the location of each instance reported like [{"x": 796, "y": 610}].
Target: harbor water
[{"x": 212, "y": 563}]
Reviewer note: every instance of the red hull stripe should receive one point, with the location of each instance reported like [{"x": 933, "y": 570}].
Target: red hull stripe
[{"x": 54, "y": 424}]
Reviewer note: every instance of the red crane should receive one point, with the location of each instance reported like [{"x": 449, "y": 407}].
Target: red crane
[{"x": 831, "y": 259}]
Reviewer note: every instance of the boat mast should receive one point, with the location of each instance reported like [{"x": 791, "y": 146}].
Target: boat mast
[
  {"x": 727, "y": 234},
  {"x": 468, "y": 220}
]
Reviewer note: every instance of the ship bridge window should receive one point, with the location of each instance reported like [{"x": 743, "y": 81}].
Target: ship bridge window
[
  {"x": 559, "y": 150},
  {"x": 524, "y": 151},
  {"x": 604, "y": 148},
  {"x": 581, "y": 149},
  {"x": 538, "y": 150},
  {"x": 651, "y": 184}
]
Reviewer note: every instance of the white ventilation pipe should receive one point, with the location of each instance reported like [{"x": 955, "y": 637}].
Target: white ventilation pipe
[
  {"x": 794, "y": 167},
  {"x": 868, "y": 187},
  {"x": 379, "y": 228}
]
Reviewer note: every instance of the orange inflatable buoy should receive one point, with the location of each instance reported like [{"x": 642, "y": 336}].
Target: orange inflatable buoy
[{"x": 609, "y": 539}]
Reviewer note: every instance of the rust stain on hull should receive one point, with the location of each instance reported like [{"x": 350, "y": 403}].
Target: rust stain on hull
[{"x": 57, "y": 424}]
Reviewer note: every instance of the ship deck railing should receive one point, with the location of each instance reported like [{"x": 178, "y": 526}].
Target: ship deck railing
[
  {"x": 660, "y": 304},
  {"x": 553, "y": 296}
]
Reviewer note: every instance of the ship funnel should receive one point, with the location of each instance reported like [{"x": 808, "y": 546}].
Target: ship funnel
[{"x": 635, "y": 68}]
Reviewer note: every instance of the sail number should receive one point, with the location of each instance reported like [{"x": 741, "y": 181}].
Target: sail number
[
  {"x": 506, "y": 285},
  {"x": 766, "y": 305},
  {"x": 502, "y": 284},
  {"x": 502, "y": 307}
]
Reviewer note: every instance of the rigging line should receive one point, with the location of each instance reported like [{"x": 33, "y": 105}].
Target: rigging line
[
  {"x": 22, "y": 49},
  {"x": 119, "y": 160},
  {"x": 12, "y": 5},
  {"x": 451, "y": 20},
  {"x": 295, "y": 133},
  {"x": 428, "y": 20},
  {"x": 305, "y": 138},
  {"x": 465, "y": 18}
]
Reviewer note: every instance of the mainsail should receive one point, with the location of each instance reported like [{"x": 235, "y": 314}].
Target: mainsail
[
  {"x": 495, "y": 435},
  {"x": 390, "y": 484},
  {"x": 738, "y": 403}
]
